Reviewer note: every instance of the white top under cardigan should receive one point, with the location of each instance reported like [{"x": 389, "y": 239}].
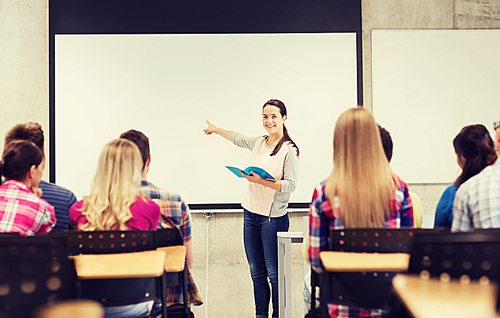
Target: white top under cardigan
[{"x": 283, "y": 166}]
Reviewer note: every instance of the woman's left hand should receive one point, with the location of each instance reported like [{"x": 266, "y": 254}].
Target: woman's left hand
[{"x": 255, "y": 178}]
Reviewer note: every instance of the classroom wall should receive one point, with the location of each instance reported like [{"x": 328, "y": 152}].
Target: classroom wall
[{"x": 221, "y": 271}]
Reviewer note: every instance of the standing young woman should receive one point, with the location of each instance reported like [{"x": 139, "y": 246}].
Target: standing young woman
[
  {"x": 114, "y": 204},
  {"x": 361, "y": 192},
  {"x": 21, "y": 208},
  {"x": 265, "y": 202}
]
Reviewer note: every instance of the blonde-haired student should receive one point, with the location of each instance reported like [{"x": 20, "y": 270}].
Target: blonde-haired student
[
  {"x": 113, "y": 203},
  {"x": 361, "y": 192}
]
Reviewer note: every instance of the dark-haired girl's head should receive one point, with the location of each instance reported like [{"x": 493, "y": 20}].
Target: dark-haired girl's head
[
  {"x": 475, "y": 150},
  {"x": 22, "y": 160},
  {"x": 277, "y": 103}
]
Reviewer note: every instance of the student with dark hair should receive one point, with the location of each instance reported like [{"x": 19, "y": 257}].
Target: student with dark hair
[
  {"x": 418, "y": 213},
  {"x": 174, "y": 213},
  {"x": 475, "y": 150},
  {"x": 265, "y": 202},
  {"x": 386, "y": 142},
  {"x": 21, "y": 208},
  {"x": 60, "y": 198}
]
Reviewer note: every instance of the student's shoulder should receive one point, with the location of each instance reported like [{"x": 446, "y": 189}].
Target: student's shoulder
[
  {"x": 56, "y": 190},
  {"x": 40, "y": 202},
  {"x": 154, "y": 192}
]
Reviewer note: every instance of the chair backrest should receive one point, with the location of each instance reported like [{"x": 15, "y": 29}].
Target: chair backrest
[
  {"x": 374, "y": 240},
  {"x": 474, "y": 255},
  {"x": 109, "y": 242},
  {"x": 33, "y": 271},
  {"x": 111, "y": 292},
  {"x": 366, "y": 289}
]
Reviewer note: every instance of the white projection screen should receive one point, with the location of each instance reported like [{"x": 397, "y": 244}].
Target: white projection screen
[
  {"x": 168, "y": 85},
  {"x": 427, "y": 85}
]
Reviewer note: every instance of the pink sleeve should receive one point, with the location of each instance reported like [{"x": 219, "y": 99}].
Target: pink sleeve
[
  {"x": 76, "y": 215},
  {"x": 47, "y": 223},
  {"x": 154, "y": 214},
  {"x": 145, "y": 215}
]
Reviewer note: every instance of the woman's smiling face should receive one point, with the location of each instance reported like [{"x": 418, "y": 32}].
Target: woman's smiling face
[{"x": 272, "y": 120}]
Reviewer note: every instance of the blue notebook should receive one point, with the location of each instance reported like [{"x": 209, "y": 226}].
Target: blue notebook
[{"x": 261, "y": 172}]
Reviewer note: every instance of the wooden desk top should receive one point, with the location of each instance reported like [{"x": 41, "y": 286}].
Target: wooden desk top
[
  {"x": 175, "y": 258},
  {"x": 435, "y": 299},
  {"x": 125, "y": 265},
  {"x": 77, "y": 308},
  {"x": 368, "y": 262}
]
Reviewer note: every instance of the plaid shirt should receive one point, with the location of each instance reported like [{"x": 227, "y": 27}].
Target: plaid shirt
[
  {"x": 323, "y": 218},
  {"x": 477, "y": 202},
  {"x": 22, "y": 211},
  {"x": 174, "y": 213}
]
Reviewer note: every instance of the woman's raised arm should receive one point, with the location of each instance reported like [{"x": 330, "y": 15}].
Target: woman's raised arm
[{"x": 219, "y": 131}]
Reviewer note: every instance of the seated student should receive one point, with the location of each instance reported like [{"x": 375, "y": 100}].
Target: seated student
[
  {"x": 60, "y": 198},
  {"x": 113, "y": 204},
  {"x": 387, "y": 144},
  {"x": 361, "y": 192},
  {"x": 477, "y": 200},
  {"x": 174, "y": 213},
  {"x": 475, "y": 150},
  {"x": 418, "y": 213},
  {"x": 21, "y": 208}
]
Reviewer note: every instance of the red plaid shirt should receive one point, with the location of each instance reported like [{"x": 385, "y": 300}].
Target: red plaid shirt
[{"x": 22, "y": 211}]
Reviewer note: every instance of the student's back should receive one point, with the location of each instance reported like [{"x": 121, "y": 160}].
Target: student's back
[
  {"x": 361, "y": 192},
  {"x": 114, "y": 204},
  {"x": 21, "y": 208},
  {"x": 475, "y": 151},
  {"x": 60, "y": 198}
]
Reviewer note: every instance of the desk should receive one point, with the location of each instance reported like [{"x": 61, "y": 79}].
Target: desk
[
  {"x": 285, "y": 240},
  {"x": 435, "y": 299}
]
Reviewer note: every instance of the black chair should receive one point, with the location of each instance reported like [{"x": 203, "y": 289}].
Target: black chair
[
  {"x": 463, "y": 257},
  {"x": 122, "y": 291},
  {"x": 34, "y": 271},
  {"x": 474, "y": 255},
  {"x": 368, "y": 287}
]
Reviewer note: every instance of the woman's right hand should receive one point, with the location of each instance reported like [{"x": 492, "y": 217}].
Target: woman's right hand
[{"x": 210, "y": 129}]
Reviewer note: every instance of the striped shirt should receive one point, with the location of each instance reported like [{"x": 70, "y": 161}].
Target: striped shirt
[
  {"x": 324, "y": 217},
  {"x": 61, "y": 199},
  {"x": 22, "y": 211},
  {"x": 477, "y": 202}
]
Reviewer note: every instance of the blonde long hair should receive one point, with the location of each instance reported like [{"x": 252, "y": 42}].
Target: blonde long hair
[
  {"x": 361, "y": 178},
  {"x": 114, "y": 188}
]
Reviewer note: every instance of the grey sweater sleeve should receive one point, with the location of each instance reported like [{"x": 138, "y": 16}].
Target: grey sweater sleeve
[
  {"x": 290, "y": 170},
  {"x": 243, "y": 141}
]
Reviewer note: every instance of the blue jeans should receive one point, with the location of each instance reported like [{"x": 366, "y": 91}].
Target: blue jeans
[{"x": 261, "y": 248}]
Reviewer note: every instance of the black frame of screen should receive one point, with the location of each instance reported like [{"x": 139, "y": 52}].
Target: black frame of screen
[{"x": 199, "y": 17}]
